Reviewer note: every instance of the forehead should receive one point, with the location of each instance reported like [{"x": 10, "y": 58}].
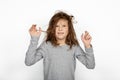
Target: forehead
[{"x": 62, "y": 21}]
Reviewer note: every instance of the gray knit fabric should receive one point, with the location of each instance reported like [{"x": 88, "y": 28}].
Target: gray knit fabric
[{"x": 59, "y": 62}]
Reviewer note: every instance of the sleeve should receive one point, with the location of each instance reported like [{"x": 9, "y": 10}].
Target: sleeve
[
  {"x": 33, "y": 53},
  {"x": 85, "y": 57}
]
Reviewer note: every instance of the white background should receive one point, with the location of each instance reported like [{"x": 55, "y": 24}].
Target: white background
[{"x": 99, "y": 17}]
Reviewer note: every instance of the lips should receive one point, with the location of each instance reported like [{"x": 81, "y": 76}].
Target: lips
[{"x": 60, "y": 32}]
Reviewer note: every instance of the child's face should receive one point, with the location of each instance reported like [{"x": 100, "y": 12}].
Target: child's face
[{"x": 61, "y": 31}]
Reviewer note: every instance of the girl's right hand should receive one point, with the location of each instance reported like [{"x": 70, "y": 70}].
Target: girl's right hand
[{"x": 34, "y": 32}]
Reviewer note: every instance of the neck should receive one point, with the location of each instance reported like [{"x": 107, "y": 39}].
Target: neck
[{"x": 61, "y": 42}]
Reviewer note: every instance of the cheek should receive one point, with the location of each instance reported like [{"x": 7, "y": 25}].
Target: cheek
[
  {"x": 66, "y": 31},
  {"x": 56, "y": 31}
]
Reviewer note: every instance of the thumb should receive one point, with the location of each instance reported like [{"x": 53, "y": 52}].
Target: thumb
[{"x": 39, "y": 30}]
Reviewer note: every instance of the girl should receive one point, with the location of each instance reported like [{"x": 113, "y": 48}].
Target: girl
[{"x": 60, "y": 49}]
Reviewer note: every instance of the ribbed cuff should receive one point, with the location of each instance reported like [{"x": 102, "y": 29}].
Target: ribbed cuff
[
  {"x": 89, "y": 49},
  {"x": 34, "y": 38}
]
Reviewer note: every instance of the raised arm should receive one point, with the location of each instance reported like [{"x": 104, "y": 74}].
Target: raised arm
[
  {"x": 33, "y": 53},
  {"x": 87, "y": 56}
]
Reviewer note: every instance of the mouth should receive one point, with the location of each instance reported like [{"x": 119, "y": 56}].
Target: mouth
[{"x": 60, "y": 33}]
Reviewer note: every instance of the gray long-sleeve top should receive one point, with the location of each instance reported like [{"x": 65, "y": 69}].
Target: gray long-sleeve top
[{"x": 59, "y": 62}]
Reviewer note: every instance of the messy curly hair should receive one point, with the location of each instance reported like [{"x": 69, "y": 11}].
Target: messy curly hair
[{"x": 71, "y": 37}]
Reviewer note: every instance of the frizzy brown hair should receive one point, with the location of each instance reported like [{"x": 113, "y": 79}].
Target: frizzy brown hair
[{"x": 71, "y": 37}]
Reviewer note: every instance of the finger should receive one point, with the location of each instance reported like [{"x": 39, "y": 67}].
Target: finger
[
  {"x": 85, "y": 36},
  {"x": 40, "y": 29},
  {"x": 34, "y": 27},
  {"x": 86, "y": 33},
  {"x": 88, "y": 37}
]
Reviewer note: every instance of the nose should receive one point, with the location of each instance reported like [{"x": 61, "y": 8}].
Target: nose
[{"x": 60, "y": 28}]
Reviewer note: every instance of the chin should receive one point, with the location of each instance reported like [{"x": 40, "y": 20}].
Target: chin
[{"x": 60, "y": 38}]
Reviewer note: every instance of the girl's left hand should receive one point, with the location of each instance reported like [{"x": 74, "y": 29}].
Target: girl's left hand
[{"x": 86, "y": 39}]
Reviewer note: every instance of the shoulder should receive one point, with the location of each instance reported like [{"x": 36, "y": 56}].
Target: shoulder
[
  {"x": 46, "y": 44},
  {"x": 76, "y": 46}
]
